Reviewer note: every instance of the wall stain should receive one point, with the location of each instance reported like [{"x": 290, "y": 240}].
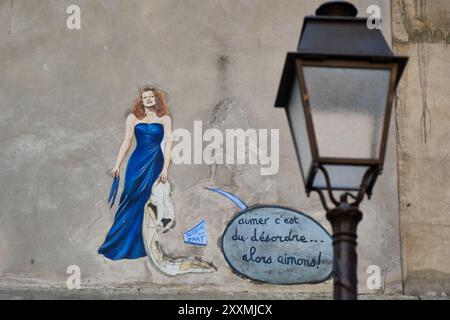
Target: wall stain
[
  {"x": 423, "y": 24},
  {"x": 11, "y": 7},
  {"x": 222, "y": 63}
]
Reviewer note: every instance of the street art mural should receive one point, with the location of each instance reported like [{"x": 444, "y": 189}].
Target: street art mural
[
  {"x": 197, "y": 236},
  {"x": 145, "y": 209},
  {"x": 64, "y": 97},
  {"x": 269, "y": 244},
  {"x": 276, "y": 245}
]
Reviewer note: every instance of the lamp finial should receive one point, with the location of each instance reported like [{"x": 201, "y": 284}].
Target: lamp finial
[{"x": 337, "y": 8}]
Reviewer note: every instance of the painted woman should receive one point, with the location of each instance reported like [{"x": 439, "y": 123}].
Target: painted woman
[{"x": 134, "y": 233}]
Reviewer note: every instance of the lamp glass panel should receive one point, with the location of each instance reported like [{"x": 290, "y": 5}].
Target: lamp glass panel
[
  {"x": 341, "y": 177},
  {"x": 296, "y": 116},
  {"x": 348, "y": 108}
]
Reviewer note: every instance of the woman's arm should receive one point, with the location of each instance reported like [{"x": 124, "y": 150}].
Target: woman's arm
[
  {"x": 167, "y": 121},
  {"x": 126, "y": 144}
]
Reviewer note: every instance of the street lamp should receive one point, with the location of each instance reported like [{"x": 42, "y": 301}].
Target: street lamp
[{"x": 338, "y": 90}]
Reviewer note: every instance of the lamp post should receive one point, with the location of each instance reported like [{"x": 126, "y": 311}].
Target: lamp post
[{"x": 338, "y": 90}]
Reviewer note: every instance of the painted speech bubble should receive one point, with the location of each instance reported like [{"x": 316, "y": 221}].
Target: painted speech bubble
[{"x": 276, "y": 245}]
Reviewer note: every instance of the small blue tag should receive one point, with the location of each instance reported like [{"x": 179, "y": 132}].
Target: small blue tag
[{"x": 197, "y": 235}]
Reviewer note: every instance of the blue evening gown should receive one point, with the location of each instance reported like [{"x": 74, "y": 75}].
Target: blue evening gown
[{"x": 124, "y": 240}]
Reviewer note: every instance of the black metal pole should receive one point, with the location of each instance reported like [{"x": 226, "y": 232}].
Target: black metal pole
[{"x": 344, "y": 220}]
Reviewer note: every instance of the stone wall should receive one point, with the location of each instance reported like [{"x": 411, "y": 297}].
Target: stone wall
[
  {"x": 63, "y": 95},
  {"x": 421, "y": 30}
]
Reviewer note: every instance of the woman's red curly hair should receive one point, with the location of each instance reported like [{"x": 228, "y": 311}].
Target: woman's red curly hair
[{"x": 160, "y": 107}]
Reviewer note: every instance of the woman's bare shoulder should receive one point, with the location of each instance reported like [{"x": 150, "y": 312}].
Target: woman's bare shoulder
[
  {"x": 166, "y": 118},
  {"x": 131, "y": 119}
]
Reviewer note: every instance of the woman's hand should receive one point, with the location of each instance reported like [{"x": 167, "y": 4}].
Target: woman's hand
[
  {"x": 115, "y": 172},
  {"x": 163, "y": 176}
]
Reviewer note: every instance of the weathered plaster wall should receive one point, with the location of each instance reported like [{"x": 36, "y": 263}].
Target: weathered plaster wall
[
  {"x": 421, "y": 30},
  {"x": 63, "y": 95}
]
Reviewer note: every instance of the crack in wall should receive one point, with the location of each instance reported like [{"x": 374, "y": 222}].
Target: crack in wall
[
  {"x": 398, "y": 114},
  {"x": 423, "y": 52}
]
